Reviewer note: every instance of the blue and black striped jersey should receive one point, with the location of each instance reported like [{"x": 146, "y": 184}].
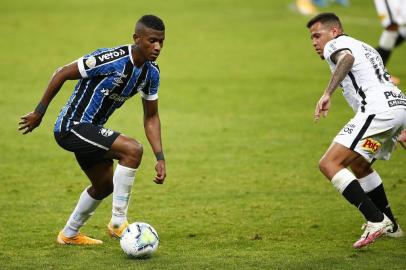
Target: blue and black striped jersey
[{"x": 109, "y": 78}]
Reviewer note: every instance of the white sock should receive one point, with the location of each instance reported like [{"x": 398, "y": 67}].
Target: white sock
[
  {"x": 83, "y": 211},
  {"x": 123, "y": 181},
  {"x": 388, "y": 39},
  {"x": 342, "y": 179},
  {"x": 370, "y": 182}
]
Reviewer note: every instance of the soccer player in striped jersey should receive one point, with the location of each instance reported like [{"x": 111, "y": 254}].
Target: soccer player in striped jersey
[
  {"x": 106, "y": 79},
  {"x": 372, "y": 133}
]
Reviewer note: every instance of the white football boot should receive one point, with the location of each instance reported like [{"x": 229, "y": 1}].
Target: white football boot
[
  {"x": 373, "y": 230},
  {"x": 396, "y": 234}
]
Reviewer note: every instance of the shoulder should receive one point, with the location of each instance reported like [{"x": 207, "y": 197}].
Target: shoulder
[
  {"x": 338, "y": 44},
  {"x": 105, "y": 55},
  {"x": 153, "y": 69},
  {"x": 153, "y": 66}
]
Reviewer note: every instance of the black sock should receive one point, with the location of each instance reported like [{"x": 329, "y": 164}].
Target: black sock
[
  {"x": 399, "y": 40},
  {"x": 378, "y": 197},
  {"x": 384, "y": 54},
  {"x": 356, "y": 196}
]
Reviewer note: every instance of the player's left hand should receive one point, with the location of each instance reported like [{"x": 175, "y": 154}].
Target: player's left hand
[
  {"x": 160, "y": 172},
  {"x": 322, "y": 107},
  {"x": 30, "y": 121}
]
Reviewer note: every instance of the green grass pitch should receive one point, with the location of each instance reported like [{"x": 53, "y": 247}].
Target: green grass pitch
[{"x": 239, "y": 83}]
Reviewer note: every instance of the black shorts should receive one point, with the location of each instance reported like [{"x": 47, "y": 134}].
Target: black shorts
[{"x": 89, "y": 142}]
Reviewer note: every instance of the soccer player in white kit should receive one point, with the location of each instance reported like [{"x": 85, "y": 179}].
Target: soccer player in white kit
[
  {"x": 392, "y": 14},
  {"x": 372, "y": 133}
]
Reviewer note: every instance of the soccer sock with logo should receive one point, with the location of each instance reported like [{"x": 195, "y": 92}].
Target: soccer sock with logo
[
  {"x": 123, "y": 180},
  {"x": 373, "y": 187},
  {"x": 346, "y": 183},
  {"x": 83, "y": 211}
]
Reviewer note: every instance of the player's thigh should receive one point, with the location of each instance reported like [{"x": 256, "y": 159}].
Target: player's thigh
[
  {"x": 124, "y": 146},
  {"x": 90, "y": 143},
  {"x": 338, "y": 155}
]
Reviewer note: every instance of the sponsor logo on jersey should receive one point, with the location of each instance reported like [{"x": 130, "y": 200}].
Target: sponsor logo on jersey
[
  {"x": 395, "y": 99},
  {"x": 371, "y": 145},
  {"x": 118, "y": 98},
  {"x": 397, "y": 102},
  {"x": 108, "y": 56},
  {"x": 106, "y": 132},
  {"x": 391, "y": 94},
  {"x": 90, "y": 62},
  {"x": 114, "y": 96}
]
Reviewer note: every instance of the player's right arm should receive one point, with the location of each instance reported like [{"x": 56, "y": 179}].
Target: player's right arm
[
  {"x": 33, "y": 119},
  {"x": 345, "y": 61}
]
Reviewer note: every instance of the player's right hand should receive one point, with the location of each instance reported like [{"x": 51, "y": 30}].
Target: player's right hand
[
  {"x": 30, "y": 121},
  {"x": 322, "y": 107}
]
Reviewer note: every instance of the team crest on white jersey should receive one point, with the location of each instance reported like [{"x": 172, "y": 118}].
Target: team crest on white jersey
[{"x": 106, "y": 132}]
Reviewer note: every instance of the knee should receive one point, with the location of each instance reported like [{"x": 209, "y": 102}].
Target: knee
[
  {"x": 392, "y": 27},
  {"x": 99, "y": 192},
  {"x": 134, "y": 151},
  {"x": 324, "y": 165}
]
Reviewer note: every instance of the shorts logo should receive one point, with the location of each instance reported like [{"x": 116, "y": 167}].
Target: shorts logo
[
  {"x": 106, "y": 132},
  {"x": 91, "y": 62},
  {"x": 371, "y": 145}
]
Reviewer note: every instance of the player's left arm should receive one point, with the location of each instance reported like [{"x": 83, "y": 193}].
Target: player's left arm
[
  {"x": 345, "y": 61},
  {"x": 152, "y": 126}
]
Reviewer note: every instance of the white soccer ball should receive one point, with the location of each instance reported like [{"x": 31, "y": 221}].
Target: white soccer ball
[{"x": 139, "y": 240}]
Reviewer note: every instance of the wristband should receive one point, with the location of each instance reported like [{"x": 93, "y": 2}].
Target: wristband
[
  {"x": 41, "y": 108},
  {"x": 159, "y": 156}
]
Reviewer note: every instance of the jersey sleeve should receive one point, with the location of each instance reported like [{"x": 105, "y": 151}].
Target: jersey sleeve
[
  {"x": 150, "y": 91},
  {"x": 101, "y": 62},
  {"x": 332, "y": 47}
]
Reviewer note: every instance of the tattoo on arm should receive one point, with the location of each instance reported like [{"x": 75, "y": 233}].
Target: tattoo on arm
[{"x": 345, "y": 60}]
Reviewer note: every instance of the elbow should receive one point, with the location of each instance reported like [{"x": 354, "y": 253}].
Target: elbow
[
  {"x": 151, "y": 121},
  {"x": 350, "y": 59},
  {"x": 57, "y": 70}
]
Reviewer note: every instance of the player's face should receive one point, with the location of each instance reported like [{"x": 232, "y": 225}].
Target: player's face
[
  {"x": 149, "y": 43},
  {"x": 320, "y": 35}
]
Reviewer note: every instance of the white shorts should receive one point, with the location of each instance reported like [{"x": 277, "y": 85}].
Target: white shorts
[
  {"x": 391, "y": 11},
  {"x": 373, "y": 136}
]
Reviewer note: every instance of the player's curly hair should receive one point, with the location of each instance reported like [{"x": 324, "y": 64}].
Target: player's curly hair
[
  {"x": 152, "y": 21},
  {"x": 327, "y": 17}
]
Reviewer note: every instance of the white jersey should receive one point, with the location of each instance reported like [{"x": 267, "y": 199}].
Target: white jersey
[{"x": 367, "y": 87}]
